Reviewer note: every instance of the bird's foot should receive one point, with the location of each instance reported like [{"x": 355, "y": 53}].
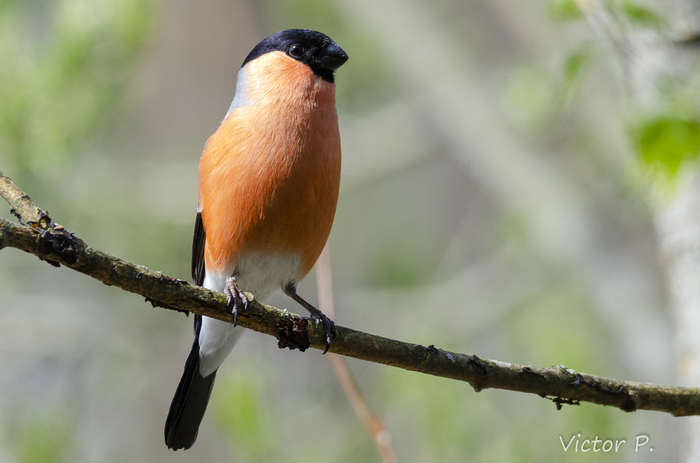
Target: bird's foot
[
  {"x": 319, "y": 317},
  {"x": 235, "y": 299},
  {"x": 316, "y": 315}
]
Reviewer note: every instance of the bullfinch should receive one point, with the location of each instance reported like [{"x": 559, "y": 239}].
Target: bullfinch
[{"x": 268, "y": 186}]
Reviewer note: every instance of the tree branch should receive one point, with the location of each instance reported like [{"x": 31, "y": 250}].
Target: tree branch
[
  {"x": 22, "y": 206},
  {"x": 40, "y": 236}
]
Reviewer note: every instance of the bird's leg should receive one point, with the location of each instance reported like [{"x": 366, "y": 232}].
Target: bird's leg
[
  {"x": 316, "y": 315},
  {"x": 235, "y": 299}
]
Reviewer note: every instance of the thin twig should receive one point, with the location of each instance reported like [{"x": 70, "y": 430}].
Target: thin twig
[
  {"x": 22, "y": 206},
  {"x": 374, "y": 426}
]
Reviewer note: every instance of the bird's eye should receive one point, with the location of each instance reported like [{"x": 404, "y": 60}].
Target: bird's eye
[{"x": 295, "y": 51}]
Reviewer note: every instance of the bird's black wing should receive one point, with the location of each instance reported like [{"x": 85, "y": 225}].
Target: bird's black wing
[{"x": 198, "y": 251}]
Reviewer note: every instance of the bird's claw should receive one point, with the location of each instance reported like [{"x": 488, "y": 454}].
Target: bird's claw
[
  {"x": 319, "y": 317},
  {"x": 316, "y": 315},
  {"x": 235, "y": 299}
]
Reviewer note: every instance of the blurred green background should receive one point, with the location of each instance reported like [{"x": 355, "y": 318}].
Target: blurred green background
[{"x": 489, "y": 205}]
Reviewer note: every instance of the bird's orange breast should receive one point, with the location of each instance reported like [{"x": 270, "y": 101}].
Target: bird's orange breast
[{"x": 269, "y": 176}]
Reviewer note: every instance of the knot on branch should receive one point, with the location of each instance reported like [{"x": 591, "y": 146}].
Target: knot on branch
[
  {"x": 56, "y": 240},
  {"x": 170, "y": 280},
  {"x": 560, "y": 401},
  {"x": 292, "y": 333},
  {"x": 530, "y": 371},
  {"x": 629, "y": 402}
]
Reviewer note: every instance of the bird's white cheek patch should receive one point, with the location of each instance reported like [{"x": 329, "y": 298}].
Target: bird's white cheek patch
[{"x": 240, "y": 98}]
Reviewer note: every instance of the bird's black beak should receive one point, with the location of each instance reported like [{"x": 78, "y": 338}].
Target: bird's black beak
[{"x": 332, "y": 57}]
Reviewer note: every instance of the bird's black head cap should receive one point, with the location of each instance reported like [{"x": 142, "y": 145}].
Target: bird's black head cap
[{"x": 312, "y": 48}]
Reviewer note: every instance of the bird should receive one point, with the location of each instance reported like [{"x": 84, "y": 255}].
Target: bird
[{"x": 268, "y": 187}]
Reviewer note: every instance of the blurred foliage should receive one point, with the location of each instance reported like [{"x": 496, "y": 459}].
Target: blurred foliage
[
  {"x": 46, "y": 438},
  {"x": 401, "y": 262},
  {"x": 63, "y": 65},
  {"x": 667, "y": 136},
  {"x": 667, "y": 146},
  {"x": 574, "y": 68},
  {"x": 242, "y": 416},
  {"x": 564, "y": 10},
  {"x": 529, "y": 97},
  {"x": 540, "y": 323},
  {"x": 667, "y": 140},
  {"x": 637, "y": 14},
  {"x": 534, "y": 97}
]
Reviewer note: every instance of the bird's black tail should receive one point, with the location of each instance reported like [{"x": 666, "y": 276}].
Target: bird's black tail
[{"x": 190, "y": 401}]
